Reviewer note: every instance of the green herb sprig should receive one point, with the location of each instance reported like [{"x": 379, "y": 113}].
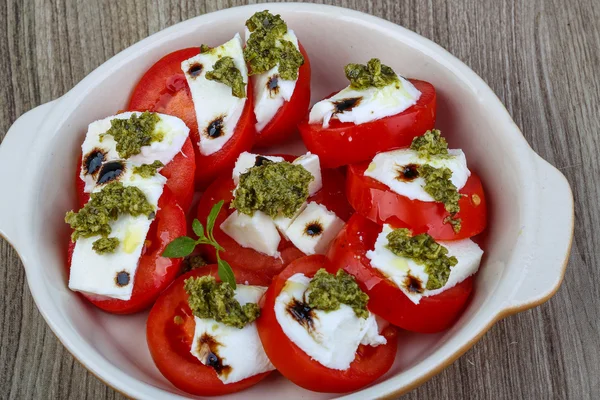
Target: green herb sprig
[{"x": 183, "y": 246}]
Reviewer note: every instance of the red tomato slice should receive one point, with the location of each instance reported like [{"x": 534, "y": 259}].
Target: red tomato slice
[
  {"x": 432, "y": 314},
  {"x": 179, "y": 173},
  {"x": 170, "y": 343},
  {"x": 345, "y": 143},
  {"x": 284, "y": 123},
  {"x": 377, "y": 202},
  {"x": 331, "y": 196},
  {"x": 293, "y": 363},
  {"x": 154, "y": 273},
  {"x": 164, "y": 89}
]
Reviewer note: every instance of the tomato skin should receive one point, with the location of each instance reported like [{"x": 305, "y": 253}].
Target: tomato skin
[
  {"x": 154, "y": 273},
  {"x": 293, "y": 363},
  {"x": 432, "y": 314},
  {"x": 331, "y": 196},
  {"x": 164, "y": 89},
  {"x": 284, "y": 123},
  {"x": 170, "y": 343},
  {"x": 345, "y": 143},
  {"x": 377, "y": 202}
]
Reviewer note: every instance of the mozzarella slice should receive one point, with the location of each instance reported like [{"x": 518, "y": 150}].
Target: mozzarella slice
[
  {"x": 329, "y": 337},
  {"x": 270, "y": 90},
  {"x": 283, "y": 223},
  {"x": 311, "y": 163},
  {"x": 238, "y": 351},
  {"x": 217, "y": 109},
  {"x": 388, "y": 168},
  {"x": 174, "y": 131},
  {"x": 113, "y": 274},
  {"x": 257, "y": 232},
  {"x": 246, "y": 161},
  {"x": 361, "y": 106},
  {"x": 398, "y": 269},
  {"x": 314, "y": 229}
]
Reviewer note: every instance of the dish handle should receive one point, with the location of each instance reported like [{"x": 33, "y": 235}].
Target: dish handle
[
  {"x": 13, "y": 153},
  {"x": 552, "y": 241}
]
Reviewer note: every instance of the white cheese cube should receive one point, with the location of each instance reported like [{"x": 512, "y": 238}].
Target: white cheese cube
[
  {"x": 239, "y": 350},
  {"x": 314, "y": 229},
  {"x": 257, "y": 232},
  {"x": 282, "y": 223},
  {"x": 311, "y": 163},
  {"x": 248, "y": 160}
]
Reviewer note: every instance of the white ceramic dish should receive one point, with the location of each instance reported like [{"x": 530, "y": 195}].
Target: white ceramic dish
[{"x": 530, "y": 203}]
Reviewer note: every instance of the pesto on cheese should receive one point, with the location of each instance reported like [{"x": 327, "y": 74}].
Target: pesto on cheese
[
  {"x": 227, "y": 73},
  {"x": 209, "y": 299},
  {"x": 424, "y": 250},
  {"x": 430, "y": 144},
  {"x": 133, "y": 133},
  {"x": 439, "y": 186},
  {"x": 266, "y": 47},
  {"x": 275, "y": 188},
  {"x": 104, "y": 207},
  {"x": 148, "y": 170},
  {"x": 327, "y": 292},
  {"x": 374, "y": 74},
  {"x": 105, "y": 245}
]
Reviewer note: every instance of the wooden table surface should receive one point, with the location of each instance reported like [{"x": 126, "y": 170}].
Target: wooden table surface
[{"x": 542, "y": 58}]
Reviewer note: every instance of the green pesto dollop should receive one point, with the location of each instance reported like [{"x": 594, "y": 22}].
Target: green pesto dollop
[
  {"x": 439, "y": 186},
  {"x": 133, "y": 133},
  {"x": 275, "y": 188},
  {"x": 430, "y": 144},
  {"x": 266, "y": 47},
  {"x": 191, "y": 263},
  {"x": 209, "y": 299},
  {"x": 374, "y": 74},
  {"x": 148, "y": 170},
  {"x": 327, "y": 292},
  {"x": 105, "y": 245},
  {"x": 204, "y": 48},
  {"x": 424, "y": 250},
  {"x": 104, "y": 207},
  {"x": 227, "y": 73}
]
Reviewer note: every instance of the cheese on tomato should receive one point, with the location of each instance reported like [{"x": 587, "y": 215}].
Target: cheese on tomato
[
  {"x": 314, "y": 228},
  {"x": 113, "y": 274},
  {"x": 174, "y": 131},
  {"x": 329, "y": 337},
  {"x": 398, "y": 269},
  {"x": 365, "y": 105},
  {"x": 238, "y": 353},
  {"x": 388, "y": 168},
  {"x": 217, "y": 109},
  {"x": 270, "y": 90},
  {"x": 311, "y": 163},
  {"x": 257, "y": 232}
]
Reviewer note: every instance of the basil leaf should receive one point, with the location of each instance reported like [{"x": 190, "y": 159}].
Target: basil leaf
[
  {"x": 198, "y": 228},
  {"x": 212, "y": 217},
  {"x": 226, "y": 273},
  {"x": 180, "y": 247}
]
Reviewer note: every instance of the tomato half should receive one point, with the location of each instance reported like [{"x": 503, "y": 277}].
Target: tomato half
[
  {"x": 293, "y": 363},
  {"x": 345, "y": 143},
  {"x": 331, "y": 196},
  {"x": 284, "y": 123},
  {"x": 170, "y": 343},
  {"x": 179, "y": 173},
  {"x": 432, "y": 314},
  {"x": 164, "y": 89},
  {"x": 154, "y": 273},
  {"x": 377, "y": 202}
]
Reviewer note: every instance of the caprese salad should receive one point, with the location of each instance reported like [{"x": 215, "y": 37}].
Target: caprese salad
[{"x": 303, "y": 264}]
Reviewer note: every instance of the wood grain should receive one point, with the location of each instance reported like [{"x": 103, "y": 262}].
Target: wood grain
[{"x": 540, "y": 57}]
